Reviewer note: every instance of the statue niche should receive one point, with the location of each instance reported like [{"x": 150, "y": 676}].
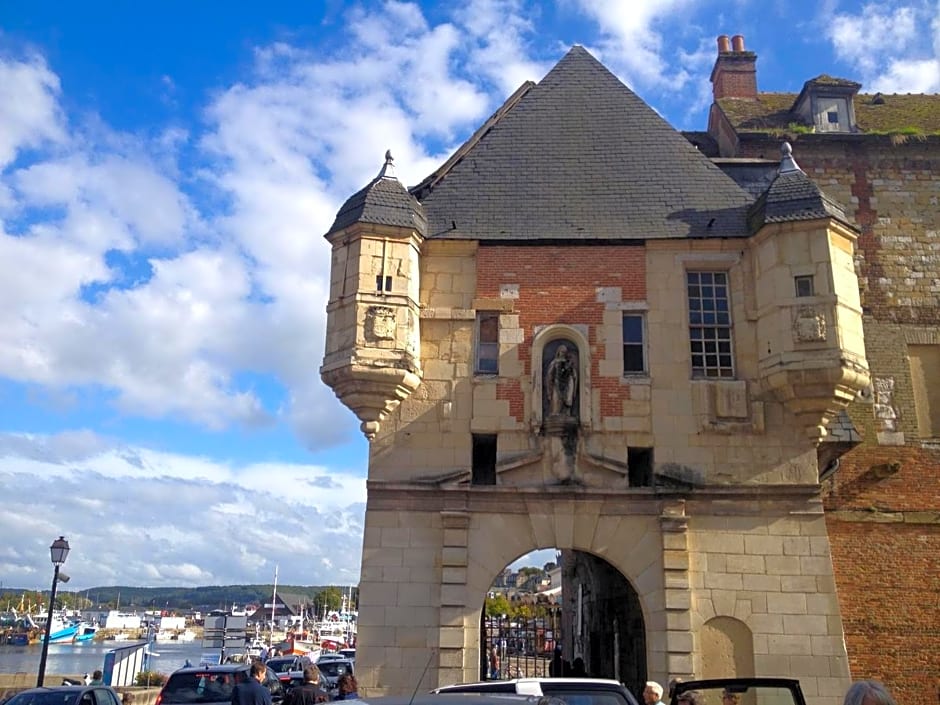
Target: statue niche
[{"x": 560, "y": 388}]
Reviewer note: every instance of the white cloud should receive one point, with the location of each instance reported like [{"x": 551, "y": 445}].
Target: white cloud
[
  {"x": 137, "y": 516},
  {"x": 887, "y": 45},
  {"x": 29, "y": 112}
]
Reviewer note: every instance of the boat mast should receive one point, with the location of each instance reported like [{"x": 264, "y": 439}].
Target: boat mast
[{"x": 273, "y": 606}]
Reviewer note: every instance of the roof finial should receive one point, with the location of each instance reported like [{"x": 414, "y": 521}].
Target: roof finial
[
  {"x": 787, "y": 163},
  {"x": 388, "y": 169}
]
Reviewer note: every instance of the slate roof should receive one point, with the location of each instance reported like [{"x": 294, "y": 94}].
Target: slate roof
[
  {"x": 383, "y": 201},
  {"x": 793, "y": 196},
  {"x": 874, "y": 113},
  {"x": 579, "y": 156}
]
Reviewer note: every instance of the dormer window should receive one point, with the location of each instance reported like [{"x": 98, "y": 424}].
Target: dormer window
[
  {"x": 826, "y": 104},
  {"x": 831, "y": 115}
]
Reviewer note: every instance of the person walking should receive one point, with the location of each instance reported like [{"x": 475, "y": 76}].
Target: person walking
[
  {"x": 310, "y": 692},
  {"x": 251, "y": 692},
  {"x": 348, "y": 688},
  {"x": 653, "y": 693},
  {"x": 494, "y": 664}
]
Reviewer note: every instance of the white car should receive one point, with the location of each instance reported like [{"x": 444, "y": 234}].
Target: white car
[{"x": 574, "y": 691}]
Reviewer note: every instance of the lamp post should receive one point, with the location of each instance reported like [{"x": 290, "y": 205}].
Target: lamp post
[{"x": 59, "y": 551}]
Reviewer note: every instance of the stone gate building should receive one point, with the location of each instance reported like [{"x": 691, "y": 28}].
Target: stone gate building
[{"x": 589, "y": 331}]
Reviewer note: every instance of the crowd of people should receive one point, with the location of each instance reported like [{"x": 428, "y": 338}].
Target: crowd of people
[{"x": 310, "y": 692}]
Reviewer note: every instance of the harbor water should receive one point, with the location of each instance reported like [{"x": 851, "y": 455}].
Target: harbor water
[{"x": 76, "y": 659}]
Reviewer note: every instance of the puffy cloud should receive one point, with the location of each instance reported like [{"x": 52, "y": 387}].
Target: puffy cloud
[{"x": 887, "y": 44}]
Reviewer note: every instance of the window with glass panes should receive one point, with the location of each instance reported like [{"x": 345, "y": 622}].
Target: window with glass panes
[
  {"x": 710, "y": 324},
  {"x": 634, "y": 354},
  {"x": 487, "y": 358}
]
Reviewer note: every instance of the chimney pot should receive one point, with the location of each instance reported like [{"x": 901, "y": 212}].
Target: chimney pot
[
  {"x": 737, "y": 42},
  {"x": 724, "y": 44}
]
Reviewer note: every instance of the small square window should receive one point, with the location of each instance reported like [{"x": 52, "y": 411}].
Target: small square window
[
  {"x": 634, "y": 344},
  {"x": 804, "y": 285},
  {"x": 383, "y": 283},
  {"x": 487, "y": 357},
  {"x": 833, "y": 117}
]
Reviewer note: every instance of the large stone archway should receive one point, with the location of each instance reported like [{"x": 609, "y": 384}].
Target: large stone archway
[{"x": 444, "y": 548}]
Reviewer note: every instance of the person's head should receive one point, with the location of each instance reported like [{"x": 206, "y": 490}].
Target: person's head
[
  {"x": 311, "y": 674},
  {"x": 690, "y": 697},
  {"x": 96, "y": 675},
  {"x": 729, "y": 698},
  {"x": 347, "y": 684},
  {"x": 868, "y": 693},
  {"x": 258, "y": 670},
  {"x": 652, "y": 693}
]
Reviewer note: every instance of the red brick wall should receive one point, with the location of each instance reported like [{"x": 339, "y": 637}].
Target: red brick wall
[
  {"x": 887, "y": 580},
  {"x": 557, "y": 285}
]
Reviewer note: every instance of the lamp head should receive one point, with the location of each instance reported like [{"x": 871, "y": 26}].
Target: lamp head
[{"x": 59, "y": 550}]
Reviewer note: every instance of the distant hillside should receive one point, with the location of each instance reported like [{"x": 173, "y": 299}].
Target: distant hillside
[{"x": 205, "y": 598}]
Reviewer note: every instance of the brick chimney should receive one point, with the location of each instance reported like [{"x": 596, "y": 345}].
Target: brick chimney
[{"x": 735, "y": 72}]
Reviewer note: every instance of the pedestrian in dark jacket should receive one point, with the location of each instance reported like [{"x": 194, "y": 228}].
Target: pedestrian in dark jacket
[
  {"x": 310, "y": 693},
  {"x": 251, "y": 692}
]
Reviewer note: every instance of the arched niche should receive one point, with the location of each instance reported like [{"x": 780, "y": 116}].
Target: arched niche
[{"x": 547, "y": 339}]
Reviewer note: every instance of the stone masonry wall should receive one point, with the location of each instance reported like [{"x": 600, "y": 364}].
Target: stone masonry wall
[{"x": 883, "y": 503}]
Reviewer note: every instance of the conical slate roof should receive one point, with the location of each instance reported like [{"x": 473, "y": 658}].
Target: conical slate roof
[
  {"x": 792, "y": 196},
  {"x": 383, "y": 201},
  {"x": 580, "y": 156}
]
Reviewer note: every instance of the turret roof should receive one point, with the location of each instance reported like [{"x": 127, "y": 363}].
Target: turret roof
[
  {"x": 579, "y": 156},
  {"x": 793, "y": 196},
  {"x": 383, "y": 201}
]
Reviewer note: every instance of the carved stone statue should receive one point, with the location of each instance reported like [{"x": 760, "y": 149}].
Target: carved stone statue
[{"x": 561, "y": 383}]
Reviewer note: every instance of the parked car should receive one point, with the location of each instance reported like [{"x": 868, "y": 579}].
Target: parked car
[
  {"x": 289, "y": 669},
  {"x": 738, "y": 691},
  {"x": 211, "y": 684},
  {"x": 574, "y": 691},
  {"x": 460, "y": 699},
  {"x": 349, "y": 653},
  {"x": 331, "y": 670},
  {"x": 66, "y": 695}
]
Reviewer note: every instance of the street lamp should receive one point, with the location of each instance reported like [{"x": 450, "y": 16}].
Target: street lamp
[{"x": 59, "y": 551}]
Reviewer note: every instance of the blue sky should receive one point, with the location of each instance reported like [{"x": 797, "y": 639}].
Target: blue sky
[{"x": 167, "y": 171}]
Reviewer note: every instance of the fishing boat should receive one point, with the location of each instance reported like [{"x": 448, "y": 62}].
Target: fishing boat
[
  {"x": 86, "y": 632},
  {"x": 61, "y": 631}
]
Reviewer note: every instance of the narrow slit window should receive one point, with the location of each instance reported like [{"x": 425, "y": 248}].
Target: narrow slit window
[
  {"x": 483, "y": 471},
  {"x": 487, "y": 357},
  {"x": 634, "y": 344},
  {"x": 640, "y": 467},
  {"x": 804, "y": 285}
]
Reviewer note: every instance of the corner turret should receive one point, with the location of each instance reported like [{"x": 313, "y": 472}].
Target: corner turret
[
  {"x": 373, "y": 356},
  {"x": 811, "y": 348}
]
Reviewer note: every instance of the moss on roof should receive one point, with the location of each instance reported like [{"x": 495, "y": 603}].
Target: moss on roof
[{"x": 892, "y": 113}]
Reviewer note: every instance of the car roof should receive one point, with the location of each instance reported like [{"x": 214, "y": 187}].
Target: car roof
[
  {"x": 60, "y": 688},
  {"x": 462, "y": 699},
  {"x": 215, "y": 668},
  {"x": 560, "y": 681}
]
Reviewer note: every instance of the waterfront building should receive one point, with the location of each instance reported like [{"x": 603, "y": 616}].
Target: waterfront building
[{"x": 688, "y": 361}]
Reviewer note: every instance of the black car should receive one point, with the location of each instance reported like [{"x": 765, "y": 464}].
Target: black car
[
  {"x": 331, "y": 670},
  {"x": 67, "y": 695},
  {"x": 739, "y": 691},
  {"x": 212, "y": 684}
]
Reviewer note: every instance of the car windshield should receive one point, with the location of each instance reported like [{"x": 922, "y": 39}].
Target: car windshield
[
  {"x": 334, "y": 669},
  {"x": 738, "y": 695},
  {"x": 282, "y": 665},
  {"x": 200, "y": 687},
  {"x": 57, "y": 697}
]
